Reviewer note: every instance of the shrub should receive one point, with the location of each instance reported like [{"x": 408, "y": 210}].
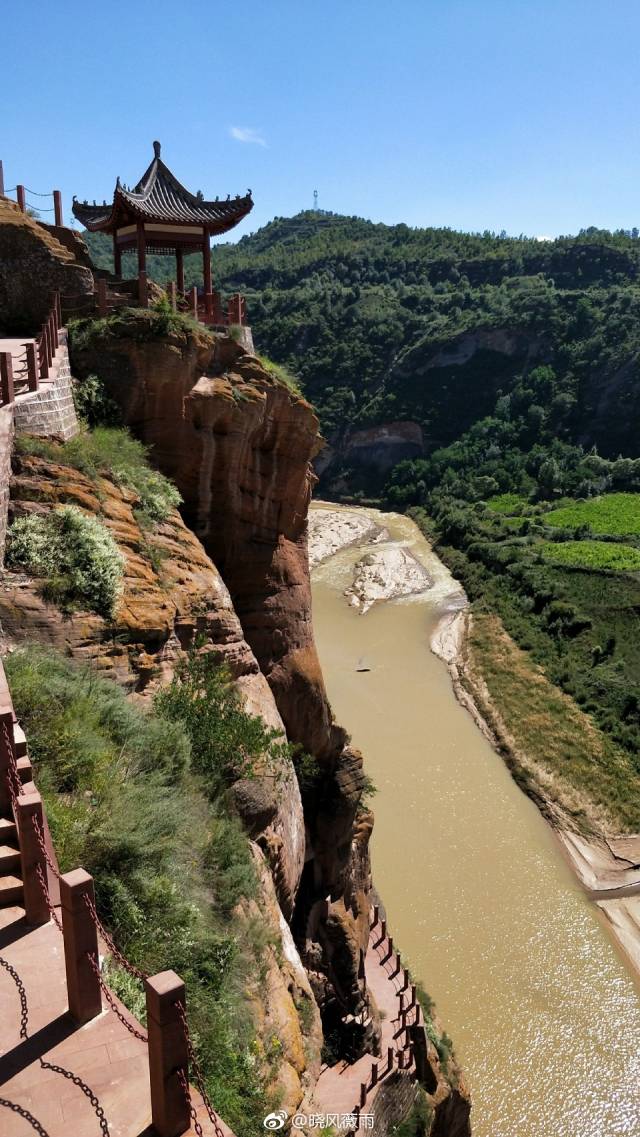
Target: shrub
[
  {"x": 93, "y": 405},
  {"x": 227, "y": 743},
  {"x": 115, "y": 453},
  {"x": 74, "y": 554},
  {"x": 169, "y": 866}
]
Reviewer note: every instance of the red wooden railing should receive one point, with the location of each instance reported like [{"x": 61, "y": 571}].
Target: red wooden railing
[
  {"x": 21, "y": 192},
  {"x": 34, "y": 363}
]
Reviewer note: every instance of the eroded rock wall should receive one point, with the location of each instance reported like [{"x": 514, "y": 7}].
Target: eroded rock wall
[{"x": 239, "y": 445}]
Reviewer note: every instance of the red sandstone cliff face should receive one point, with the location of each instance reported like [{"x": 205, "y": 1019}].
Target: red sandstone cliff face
[{"x": 239, "y": 446}]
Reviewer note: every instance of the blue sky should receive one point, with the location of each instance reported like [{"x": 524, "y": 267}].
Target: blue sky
[{"x": 499, "y": 114}]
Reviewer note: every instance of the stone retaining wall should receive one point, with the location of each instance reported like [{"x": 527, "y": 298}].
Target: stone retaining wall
[{"x": 51, "y": 410}]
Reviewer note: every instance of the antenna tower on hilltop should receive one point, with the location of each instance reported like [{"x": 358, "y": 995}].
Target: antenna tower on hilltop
[{"x": 315, "y": 201}]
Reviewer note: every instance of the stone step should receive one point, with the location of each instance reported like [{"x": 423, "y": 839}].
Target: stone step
[
  {"x": 10, "y": 891},
  {"x": 9, "y": 860},
  {"x": 24, "y": 769},
  {"x": 8, "y": 831}
]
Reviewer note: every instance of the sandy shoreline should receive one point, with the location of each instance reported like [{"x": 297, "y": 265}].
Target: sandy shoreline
[
  {"x": 387, "y": 573},
  {"x": 610, "y": 881}
]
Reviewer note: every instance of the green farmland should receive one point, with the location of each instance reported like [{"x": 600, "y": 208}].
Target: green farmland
[
  {"x": 596, "y": 555},
  {"x": 613, "y": 514}
]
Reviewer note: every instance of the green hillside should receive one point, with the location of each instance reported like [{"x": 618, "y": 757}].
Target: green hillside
[{"x": 519, "y": 361}]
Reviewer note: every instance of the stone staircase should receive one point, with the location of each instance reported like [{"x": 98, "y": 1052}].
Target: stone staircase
[{"x": 11, "y": 890}]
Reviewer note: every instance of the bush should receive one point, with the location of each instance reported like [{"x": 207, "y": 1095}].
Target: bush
[
  {"x": 73, "y": 553},
  {"x": 93, "y": 405},
  {"x": 227, "y": 743},
  {"x": 115, "y": 453},
  {"x": 169, "y": 865}
]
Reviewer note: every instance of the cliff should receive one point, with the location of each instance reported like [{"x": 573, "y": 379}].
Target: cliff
[
  {"x": 238, "y": 444},
  {"x": 230, "y": 575}
]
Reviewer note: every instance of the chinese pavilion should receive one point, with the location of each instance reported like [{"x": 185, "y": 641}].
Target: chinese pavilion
[{"x": 159, "y": 215}]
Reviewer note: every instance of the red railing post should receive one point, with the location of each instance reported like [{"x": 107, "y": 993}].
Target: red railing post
[
  {"x": 363, "y": 1094},
  {"x": 6, "y": 377},
  {"x": 55, "y": 321},
  {"x": 102, "y": 296},
  {"x": 22, "y": 200},
  {"x": 143, "y": 295},
  {"x": 33, "y": 367},
  {"x": 168, "y": 1054},
  {"x": 51, "y": 344},
  {"x": 389, "y": 1059},
  {"x": 57, "y": 206},
  {"x": 43, "y": 354},
  {"x": 80, "y": 942},
  {"x": 374, "y": 1074},
  {"x": 34, "y": 865}
]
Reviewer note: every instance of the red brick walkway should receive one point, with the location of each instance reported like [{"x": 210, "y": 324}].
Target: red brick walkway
[
  {"x": 338, "y": 1087},
  {"x": 102, "y": 1052}
]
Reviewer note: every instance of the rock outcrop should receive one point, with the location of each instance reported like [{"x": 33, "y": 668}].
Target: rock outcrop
[
  {"x": 33, "y": 264},
  {"x": 172, "y": 595},
  {"x": 239, "y": 444}
]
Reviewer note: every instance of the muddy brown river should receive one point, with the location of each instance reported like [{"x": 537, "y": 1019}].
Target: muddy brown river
[{"x": 543, "y": 1011}]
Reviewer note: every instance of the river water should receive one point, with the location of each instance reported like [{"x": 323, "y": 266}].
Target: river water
[{"x": 543, "y": 1012}]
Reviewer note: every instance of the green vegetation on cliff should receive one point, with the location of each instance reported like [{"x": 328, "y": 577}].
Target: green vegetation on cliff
[{"x": 132, "y": 798}]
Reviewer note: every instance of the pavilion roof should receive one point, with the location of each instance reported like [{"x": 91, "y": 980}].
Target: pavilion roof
[{"x": 159, "y": 197}]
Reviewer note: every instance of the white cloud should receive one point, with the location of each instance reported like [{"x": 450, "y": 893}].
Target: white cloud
[
  {"x": 542, "y": 238},
  {"x": 247, "y": 134}
]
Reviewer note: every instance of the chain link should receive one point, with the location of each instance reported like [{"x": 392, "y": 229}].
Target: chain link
[
  {"x": 33, "y": 1121},
  {"x": 95, "y": 967},
  {"x": 213, "y": 1117},
  {"x": 187, "y": 1093},
  {"x": 39, "y": 832},
  {"x": 116, "y": 953},
  {"x": 47, "y": 896},
  {"x": 87, "y": 1091},
  {"x": 75, "y": 1078},
  {"x": 15, "y": 785},
  {"x": 24, "y": 1008}
]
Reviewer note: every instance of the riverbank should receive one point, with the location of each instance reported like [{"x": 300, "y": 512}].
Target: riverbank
[
  {"x": 478, "y": 896},
  {"x": 536, "y": 729},
  {"x": 606, "y": 863}
]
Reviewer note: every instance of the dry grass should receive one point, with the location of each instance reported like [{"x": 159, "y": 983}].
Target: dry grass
[{"x": 555, "y": 750}]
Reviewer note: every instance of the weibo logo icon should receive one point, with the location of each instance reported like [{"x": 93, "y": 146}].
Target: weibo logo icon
[{"x": 275, "y": 1120}]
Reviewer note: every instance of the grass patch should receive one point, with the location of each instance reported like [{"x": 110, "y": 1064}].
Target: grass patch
[
  {"x": 613, "y": 514},
  {"x": 508, "y": 504},
  {"x": 141, "y": 324},
  {"x": 557, "y": 746},
  {"x": 282, "y": 374},
  {"x": 596, "y": 555},
  {"x": 74, "y": 554},
  {"x": 170, "y": 863},
  {"x": 115, "y": 453}
]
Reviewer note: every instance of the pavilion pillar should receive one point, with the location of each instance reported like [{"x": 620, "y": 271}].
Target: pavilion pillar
[
  {"x": 180, "y": 271},
  {"x": 117, "y": 257},
  {"x": 206, "y": 267},
  {"x": 142, "y": 248}
]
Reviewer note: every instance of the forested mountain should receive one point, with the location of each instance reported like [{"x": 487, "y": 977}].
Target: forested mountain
[
  {"x": 516, "y": 360},
  {"x": 387, "y": 322}
]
